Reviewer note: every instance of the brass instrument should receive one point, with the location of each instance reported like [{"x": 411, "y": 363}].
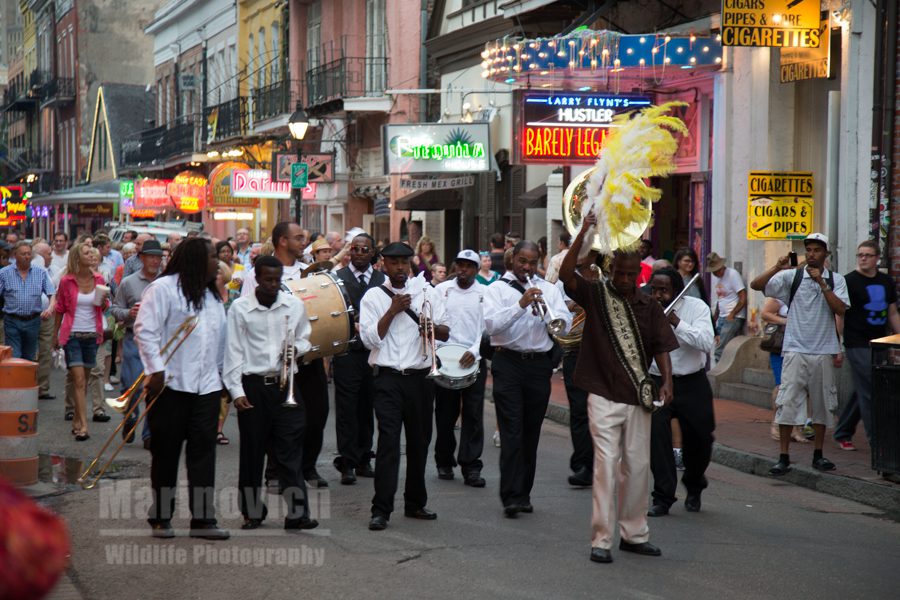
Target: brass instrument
[
  {"x": 120, "y": 404},
  {"x": 555, "y": 325},
  {"x": 572, "y": 340},
  {"x": 288, "y": 356},
  {"x": 681, "y": 294},
  {"x": 426, "y": 327}
]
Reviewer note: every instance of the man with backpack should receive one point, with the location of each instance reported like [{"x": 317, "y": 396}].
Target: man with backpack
[{"x": 811, "y": 348}]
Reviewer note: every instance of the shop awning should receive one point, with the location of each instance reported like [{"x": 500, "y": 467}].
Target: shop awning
[
  {"x": 95, "y": 193},
  {"x": 431, "y": 200},
  {"x": 535, "y": 198}
]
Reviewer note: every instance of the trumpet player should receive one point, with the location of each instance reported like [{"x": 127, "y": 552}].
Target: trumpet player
[
  {"x": 517, "y": 311},
  {"x": 259, "y": 376},
  {"x": 402, "y": 355},
  {"x": 188, "y": 388}
]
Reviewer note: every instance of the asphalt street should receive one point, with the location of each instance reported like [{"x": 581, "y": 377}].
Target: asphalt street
[{"x": 755, "y": 537}]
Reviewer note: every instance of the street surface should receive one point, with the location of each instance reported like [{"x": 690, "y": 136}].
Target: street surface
[{"x": 755, "y": 538}]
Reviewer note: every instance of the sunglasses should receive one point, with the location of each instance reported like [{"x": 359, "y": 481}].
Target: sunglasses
[{"x": 359, "y": 249}]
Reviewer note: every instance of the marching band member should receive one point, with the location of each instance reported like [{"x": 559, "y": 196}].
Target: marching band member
[
  {"x": 624, "y": 329},
  {"x": 462, "y": 297},
  {"x": 390, "y": 317},
  {"x": 289, "y": 241},
  {"x": 692, "y": 404},
  {"x": 354, "y": 421},
  {"x": 522, "y": 367},
  {"x": 253, "y": 366},
  {"x": 189, "y": 386}
]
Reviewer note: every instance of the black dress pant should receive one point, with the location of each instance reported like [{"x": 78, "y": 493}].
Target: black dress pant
[
  {"x": 582, "y": 444},
  {"x": 447, "y": 406},
  {"x": 176, "y": 418},
  {"x": 270, "y": 425},
  {"x": 521, "y": 395},
  {"x": 354, "y": 421},
  {"x": 312, "y": 386},
  {"x": 693, "y": 407},
  {"x": 405, "y": 401}
]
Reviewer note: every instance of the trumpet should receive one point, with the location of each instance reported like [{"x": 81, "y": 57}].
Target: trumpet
[
  {"x": 121, "y": 404},
  {"x": 426, "y": 326},
  {"x": 555, "y": 325},
  {"x": 288, "y": 355}
]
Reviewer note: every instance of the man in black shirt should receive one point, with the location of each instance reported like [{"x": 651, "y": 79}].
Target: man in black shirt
[
  {"x": 872, "y": 314},
  {"x": 497, "y": 251}
]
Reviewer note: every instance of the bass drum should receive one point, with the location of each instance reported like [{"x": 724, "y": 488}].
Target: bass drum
[
  {"x": 450, "y": 374},
  {"x": 327, "y": 307}
]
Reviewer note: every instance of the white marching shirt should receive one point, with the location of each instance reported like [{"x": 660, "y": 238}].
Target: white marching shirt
[
  {"x": 465, "y": 310},
  {"x": 696, "y": 338},
  {"x": 515, "y": 328},
  {"x": 290, "y": 273}
]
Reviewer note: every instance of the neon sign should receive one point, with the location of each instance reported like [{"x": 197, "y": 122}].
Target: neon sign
[
  {"x": 441, "y": 151},
  {"x": 257, "y": 183},
  {"x": 188, "y": 191},
  {"x": 13, "y": 206},
  {"x": 152, "y": 194},
  {"x": 436, "y": 148}
]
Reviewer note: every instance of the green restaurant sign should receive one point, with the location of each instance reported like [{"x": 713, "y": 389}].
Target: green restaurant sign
[{"x": 436, "y": 148}]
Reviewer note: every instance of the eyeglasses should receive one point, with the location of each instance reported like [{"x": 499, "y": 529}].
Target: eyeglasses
[
  {"x": 360, "y": 249},
  {"x": 864, "y": 255}
]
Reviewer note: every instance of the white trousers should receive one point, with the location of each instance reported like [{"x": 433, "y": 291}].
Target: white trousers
[{"x": 621, "y": 436}]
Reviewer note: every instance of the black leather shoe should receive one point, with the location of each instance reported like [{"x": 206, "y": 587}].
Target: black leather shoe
[
  {"x": 420, "y": 513},
  {"x": 46, "y": 397},
  {"x": 780, "y": 468},
  {"x": 301, "y": 523},
  {"x": 445, "y": 473},
  {"x": 147, "y": 444},
  {"x": 658, "y": 510},
  {"x": 70, "y": 415},
  {"x": 475, "y": 480},
  {"x": 365, "y": 470},
  {"x": 377, "y": 523},
  {"x": 581, "y": 478},
  {"x": 526, "y": 508},
  {"x": 314, "y": 479},
  {"x": 512, "y": 511},
  {"x": 101, "y": 417},
  {"x": 601, "y": 555},
  {"x": 209, "y": 532},
  {"x": 251, "y": 524},
  {"x": 128, "y": 430},
  {"x": 162, "y": 530},
  {"x": 823, "y": 464},
  {"x": 692, "y": 503},
  {"x": 347, "y": 476},
  {"x": 644, "y": 549}
]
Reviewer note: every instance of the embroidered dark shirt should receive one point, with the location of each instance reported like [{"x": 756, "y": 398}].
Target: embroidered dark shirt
[{"x": 598, "y": 370}]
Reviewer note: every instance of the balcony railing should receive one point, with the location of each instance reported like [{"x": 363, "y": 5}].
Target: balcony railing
[
  {"x": 226, "y": 120},
  {"x": 273, "y": 100},
  {"x": 142, "y": 148},
  {"x": 184, "y": 136},
  {"x": 346, "y": 78},
  {"x": 59, "y": 90}
]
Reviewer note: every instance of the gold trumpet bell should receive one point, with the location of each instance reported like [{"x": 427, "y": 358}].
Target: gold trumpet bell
[{"x": 573, "y": 203}]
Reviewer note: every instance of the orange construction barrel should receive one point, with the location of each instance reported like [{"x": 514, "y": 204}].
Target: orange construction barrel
[{"x": 18, "y": 419}]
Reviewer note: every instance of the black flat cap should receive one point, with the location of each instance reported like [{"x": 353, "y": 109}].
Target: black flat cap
[{"x": 397, "y": 250}]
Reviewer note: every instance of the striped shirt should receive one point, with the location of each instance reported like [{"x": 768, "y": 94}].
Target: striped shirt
[
  {"x": 810, "y": 323},
  {"x": 23, "y": 297}
]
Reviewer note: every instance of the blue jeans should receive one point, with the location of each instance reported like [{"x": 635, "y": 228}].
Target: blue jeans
[
  {"x": 22, "y": 336},
  {"x": 131, "y": 369},
  {"x": 860, "y": 404},
  {"x": 726, "y": 330}
]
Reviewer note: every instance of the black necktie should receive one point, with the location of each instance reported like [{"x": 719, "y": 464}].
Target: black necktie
[{"x": 362, "y": 279}]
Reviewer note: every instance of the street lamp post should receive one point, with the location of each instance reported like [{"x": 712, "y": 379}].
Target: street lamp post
[{"x": 298, "y": 124}]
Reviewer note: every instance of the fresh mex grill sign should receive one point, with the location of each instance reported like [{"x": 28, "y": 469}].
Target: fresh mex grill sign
[
  {"x": 566, "y": 128},
  {"x": 777, "y": 23},
  {"x": 436, "y": 148},
  {"x": 780, "y": 205}
]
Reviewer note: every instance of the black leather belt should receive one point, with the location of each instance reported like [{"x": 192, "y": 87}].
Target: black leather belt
[
  {"x": 694, "y": 374},
  {"x": 273, "y": 379},
  {"x": 523, "y": 355},
  {"x": 22, "y": 317},
  {"x": 402, "y": 371}
]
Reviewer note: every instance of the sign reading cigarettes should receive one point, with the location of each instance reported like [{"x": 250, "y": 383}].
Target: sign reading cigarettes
[
  {"x": 778, "y": 23},
  {"x": 780, "y": 205}
]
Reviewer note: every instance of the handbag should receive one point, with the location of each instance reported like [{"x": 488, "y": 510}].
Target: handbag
[{"x": 773, "y": 338}]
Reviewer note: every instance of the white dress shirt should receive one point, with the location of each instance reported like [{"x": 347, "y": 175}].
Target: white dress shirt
[
  {"x": 290, "y": 273},
  {"x": 465, "y": 310},
  {"x": 196, "y": 367},
  {"x": 695, "y": 337},
  {"x": 401, "y": 347},
  {"x": 515, "y": 328},
  {"x": 256, "y": 335}
]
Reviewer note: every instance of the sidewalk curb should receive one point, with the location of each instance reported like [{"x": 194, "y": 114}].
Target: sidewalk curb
[{"x": 883, "y": 497}]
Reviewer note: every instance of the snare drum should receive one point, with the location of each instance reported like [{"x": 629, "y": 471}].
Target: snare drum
[
  {"x": 450, "y": 374},
  {"x": 327, "y": 307}
]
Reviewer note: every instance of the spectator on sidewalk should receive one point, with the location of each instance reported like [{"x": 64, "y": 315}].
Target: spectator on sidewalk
[
  {"x": 43, "y": 258},
  {"x": 729, "y": 303},
  {"x": 814, "y": 296},
  {"x": 242, "y": 254},
  {"x": 646, "y": 252},
  {"x": 22, "y": 287},
  {"x": 486, "y": 275},
  {"x": 133, "y": 264},
  {"x": 498, "y": 250},
  {"x": 60, "y": 256},
  {"x": 562, "y": 247},
  {"x": 872, "y": 314},
  {"x": 774, "y": 312},
  {"x": 688, "y": 265}
]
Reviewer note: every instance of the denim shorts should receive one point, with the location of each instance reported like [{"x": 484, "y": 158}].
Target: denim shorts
[{"x": 81, "y": 350}]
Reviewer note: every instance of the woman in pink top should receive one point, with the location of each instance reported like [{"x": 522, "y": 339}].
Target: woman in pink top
[{"x": 79, "y": 325}]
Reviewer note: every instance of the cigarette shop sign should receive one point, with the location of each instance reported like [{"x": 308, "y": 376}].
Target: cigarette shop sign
[
  {"x": 780, "y": 205},
  {"x": 778, "y": 23},
  {"x": 566, "y": 127}
]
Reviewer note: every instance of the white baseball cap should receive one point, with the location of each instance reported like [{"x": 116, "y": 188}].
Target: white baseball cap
[
  {"x": 817, "y": 237},
  {"x": 469, "y": 255}
]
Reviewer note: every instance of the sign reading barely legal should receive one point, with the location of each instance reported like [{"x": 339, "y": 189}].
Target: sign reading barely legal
[
  {"x": 780, "y": 205},
  {"x": 778, "y": 23}
]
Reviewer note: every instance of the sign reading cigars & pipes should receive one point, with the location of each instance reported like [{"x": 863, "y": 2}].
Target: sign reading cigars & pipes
[{"x": 780, "y": 205}]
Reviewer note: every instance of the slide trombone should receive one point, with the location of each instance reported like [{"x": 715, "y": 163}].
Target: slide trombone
[{"x": 87, "y": 479}]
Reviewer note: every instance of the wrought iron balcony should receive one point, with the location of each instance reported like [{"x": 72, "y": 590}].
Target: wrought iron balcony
[
  {"x": 20, "y": 99},
  {"x": 142, "y": 148},
  {"x": 58, "y": 90},
  {"x": 273, "y": 100},
  {"x": 184, "y": 136},
  {"x": 345, "y": 78},
  {"x": 226, "y": 120}
]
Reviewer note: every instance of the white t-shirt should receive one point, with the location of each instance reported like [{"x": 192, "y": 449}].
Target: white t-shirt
[
  {"x": 84, "y": 321},
  {"x": 726, "y": 292}
]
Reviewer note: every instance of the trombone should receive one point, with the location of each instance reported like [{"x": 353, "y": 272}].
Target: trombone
[
  {"x": 88, "y": 479},
  {"x": 555, "y": 325},
  {"x": 426, "y": 326}
]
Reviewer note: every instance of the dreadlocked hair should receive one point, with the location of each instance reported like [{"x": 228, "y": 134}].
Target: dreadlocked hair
[{"x": 190, "y": 261}]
